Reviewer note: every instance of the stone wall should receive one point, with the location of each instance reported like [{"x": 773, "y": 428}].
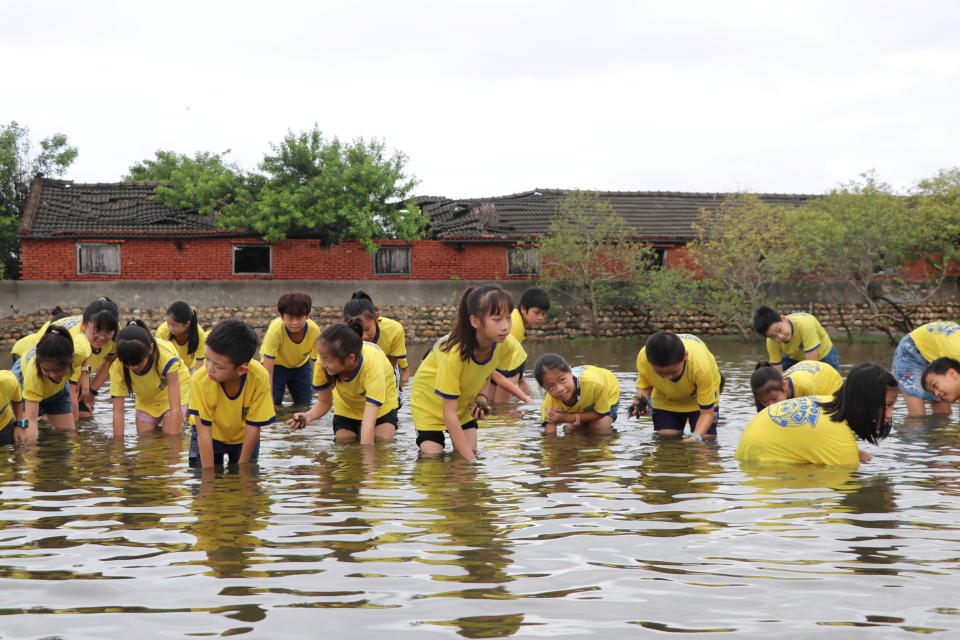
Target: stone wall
[{"x": 425, "y": 323}]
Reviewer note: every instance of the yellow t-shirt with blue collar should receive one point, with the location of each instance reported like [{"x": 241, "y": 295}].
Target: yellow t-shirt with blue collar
[
  {"x": 937, "y": 340},
  {"x": 81, "y": 346},
  {"x": 151, "y": 387},
  {"x": 9, "y": 393},
  {"x": 37, "y": 387},
  {"x": 597, "y": 390},
  {"x": 798, "y": 431},
  {"x": 392, "y": 339},
  {"x": 281, "y": 348},
  {"x": 813, "y": 378},
  {"x": 188, "y": 359},
  {"x": 696, "y": 388},
  {"x": 444, "y": 374},
  {"x": 808, "y": 335},
  {"x": 228, "y": 416},
  {"x": 517, "y": 329},
  {"x": 371, "y": 382}
]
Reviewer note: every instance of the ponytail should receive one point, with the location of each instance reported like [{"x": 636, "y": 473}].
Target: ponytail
[
  {"x": 56, "y": 347},
  {"x": 134, "y": 343},
  {"x": 103, "y": 314},
  {"x": 344, "y": 340},
  {"x": 183, "y": 313},
  {"x": 359, "y": 304},
  {"x": 478, "y": 302}
]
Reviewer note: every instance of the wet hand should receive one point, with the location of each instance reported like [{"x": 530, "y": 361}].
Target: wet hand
[
  {"x": 639, "y": 407},
  {"x": 297, "y": 422}
]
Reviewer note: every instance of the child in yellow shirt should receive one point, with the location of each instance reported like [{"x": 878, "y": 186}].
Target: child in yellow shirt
[
  {"x": 382, "y": 331},
  {"x": 12, "y": 425},
  {"x": 290, "y": 349},
  {"x": 587, "y": 396},
  {"x": 44, "y": 375},
  {"x": 794, "y": 338},
  {"x": 807, "y": 378}
]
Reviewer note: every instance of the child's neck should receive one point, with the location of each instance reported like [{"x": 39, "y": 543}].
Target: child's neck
[
  {"x": 232, "y": 387},
  {"x": 483, "y": 350}
]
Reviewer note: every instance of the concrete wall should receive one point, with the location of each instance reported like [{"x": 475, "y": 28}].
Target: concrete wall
[{"x": 21, "y": 297}]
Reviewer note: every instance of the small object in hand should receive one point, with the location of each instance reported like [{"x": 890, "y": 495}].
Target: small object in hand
[
  {"x": 482, "y": 402},
  {"x": 639, "y": 407},
  {"x": 301, "y": 421}
]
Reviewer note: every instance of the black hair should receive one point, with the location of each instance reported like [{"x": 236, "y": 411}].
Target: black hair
[
  {"x": 57, "y": 313},
  {"x": 56, "y": 346},
  {"x": 182, "y": 313},
  {"x": 480, "y": 302},
  {"x": 134, "y": 343},
  {"x": 940, "y": 366},
  {"x": 359, "y": 304},
  {"x": 763, "y": 374},
  {"x": 861, "y": 401},
  {"x": 535, "y": 298},
  {"x": 763, "y": 317},
  {"x": 548, "y": 362},
  {"x": 295, "y": 303},
  {"x": 103, "y": 314},
  {"x": 344, "y": 340},
  {"x": 664, "y": 349},
  {"x": 234, "y": 340}
]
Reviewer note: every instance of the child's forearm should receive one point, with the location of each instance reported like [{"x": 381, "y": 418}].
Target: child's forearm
[
  {"x": 368, "y": 424},
  {"x": 704, "y": 421},
  {"x": 507, "y": 385},
  {"x": 102, "y": 373},
  {"x": 117, "y": 417},
  {"x": 205, "y": 444},
  {"x": 251, "y": 435},
  {"x": 32, "y": 411},
  {"x": 173, "y": 420},
  {"x": 457, "y": 436}
]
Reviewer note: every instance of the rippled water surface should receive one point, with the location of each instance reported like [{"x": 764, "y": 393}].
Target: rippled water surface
[{"x": 616, "y": 537}]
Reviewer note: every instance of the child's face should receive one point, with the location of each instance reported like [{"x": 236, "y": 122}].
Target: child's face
[
  {"x": 560, "y": 384},
  {"x": 780, "y": 331},
  {"x": 369, "y": 328},
  {"x": 141, "y": 367},
  {"x": 533, "y": 317},
  {"x": 772, "y": 393},
  {"x": 221, "y": 369},
  {"x": 177, "y": 328},
  {"x": 52, "y": 371},
  {"x": 891, "y": 400},
  {"x": 96, "y": 338},
  {"x": 332, "y": 363},
  {"x": 494, "y": 327},
  {"x": 945, "y": 386},
  {"x": 294, "y": 324},
  {"x": 670, "y": 371}
]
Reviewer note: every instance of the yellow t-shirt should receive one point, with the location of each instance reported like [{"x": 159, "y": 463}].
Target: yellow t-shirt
[
  {"x": 95, "y": 361},
  {"x": 372, "y": 382},
  {"x": 798, "y": 431},
  {"x": 229, "y": 415},
  {"x": 444, "y": 374},
  {"x": 278, "y": 345},
  {"x": 808, "y": 335},
  {"x": 813, "y": 378},
  {"x": 81, "y": 346},
  {"x": 517, "y": 329},
  {"x": 516, "y": 354},
  {"x": 697, "y": 387},
  {"x": 37, "y": 387},
  {"x": 937, "y": 340},
  {"x": 151, "y": 386},
  {"x": 597, "y": 390},
  {"x": 392, "y": 339},
  {"x": 188, "y": 359},
  {"x": 9, "y": 393}
]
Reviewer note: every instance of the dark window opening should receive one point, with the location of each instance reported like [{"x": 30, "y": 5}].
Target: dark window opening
[
  {"x": 392, "y": 261},
  {"x": 251, "y": 259},
  {"x": 523, "y": 261}
]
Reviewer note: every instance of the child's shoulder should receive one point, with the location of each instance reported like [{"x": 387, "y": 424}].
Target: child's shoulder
[{"x": 7, "y": 377}]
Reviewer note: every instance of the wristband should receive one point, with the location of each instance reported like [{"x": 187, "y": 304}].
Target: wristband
[
  {"x": 23, "y": 424},
  {"x": 697, "y": 436}
]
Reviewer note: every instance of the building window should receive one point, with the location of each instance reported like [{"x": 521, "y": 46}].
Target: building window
[
  {"x": 523, "y": 261},
  {"x": 392, "y": 261},
  {"x": 251, "y": 259},
  {"x": 99, "y": 258},
  {"x": 660, "y": 256}
]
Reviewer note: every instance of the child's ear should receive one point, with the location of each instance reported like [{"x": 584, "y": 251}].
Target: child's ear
[
  {"x": 475, "y": 322},
  {"x": 243, "y": 369}
]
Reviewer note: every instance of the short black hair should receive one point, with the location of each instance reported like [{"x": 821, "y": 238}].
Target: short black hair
[
  {"x": 763, "y": 374},
  {"x": 233, "y": 339},
  {"x": 295, "y": 303},
  {"x": 861, "y": 400},
  {"x": 548, "y": 362},
  {"x": 763, "y": 317},
  {"x": 535, "y": 298},
  {"x": 939, "y": 366},
  {"x": 664, "y": 349}
]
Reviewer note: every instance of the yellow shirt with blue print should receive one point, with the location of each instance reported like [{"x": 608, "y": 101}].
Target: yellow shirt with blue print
[
  {"x": 937, "y": 340},
  {"x": 798, "y": 431},
  {"x": 81, "y": 346},
  {"x": 281, "y": 348},
  {"x": 371, "y": 382},
  {"x": 228, "y": 416},
  {"x": 696, "y": 388},
  {"x": 597, "y": 390},
  {"x": 150, "y": 387},
  {"x": 808, "y": 335},
  {"x": 813, "y": 378}
]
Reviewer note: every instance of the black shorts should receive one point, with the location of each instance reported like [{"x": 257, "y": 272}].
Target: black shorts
[
  {"x": 438, "y": 437},
  {"x": 677, "y": 420},
  {"x": 351, "y": 424},
  {"x": 513, "y": 372}
]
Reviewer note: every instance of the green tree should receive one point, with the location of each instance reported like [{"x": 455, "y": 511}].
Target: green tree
[
  {"x": 738, "y": 251},
  {"x": 18, "y": 166},
  {"x": 203, "y": 183},
  {"x": 587, "y": 254}
]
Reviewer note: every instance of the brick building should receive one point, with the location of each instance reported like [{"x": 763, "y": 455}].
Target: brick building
[{"x": 117, "y": 231}]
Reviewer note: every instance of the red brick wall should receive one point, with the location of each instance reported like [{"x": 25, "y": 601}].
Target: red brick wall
[{"x": 295, "y": 259}]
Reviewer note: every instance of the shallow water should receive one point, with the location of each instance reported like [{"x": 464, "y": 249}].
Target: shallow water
[{"x": 616, "y": 537}]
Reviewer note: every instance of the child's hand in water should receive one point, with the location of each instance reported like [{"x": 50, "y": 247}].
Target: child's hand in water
[
  {"x": 558, "y": 417},
  {"x": 480, "y": 407},
  {"x": 640, "y": 407},
  {"x": 298, "y": 421}
]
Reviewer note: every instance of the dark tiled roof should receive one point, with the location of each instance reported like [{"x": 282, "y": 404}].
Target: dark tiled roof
[
  {"x": 60, "y": 207},
  {"x": 661, "y": 215}
]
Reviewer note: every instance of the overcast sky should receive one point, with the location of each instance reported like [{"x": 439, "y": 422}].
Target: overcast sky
[{"x": 489, "y": 98}]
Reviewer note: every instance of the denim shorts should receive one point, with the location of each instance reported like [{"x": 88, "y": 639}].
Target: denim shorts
[
  {"x": 908, "y": 366},
  {"x": 57, "y": 404},
  {"x": 299, "y": 381},
  {"x": 614, "y": 410}
]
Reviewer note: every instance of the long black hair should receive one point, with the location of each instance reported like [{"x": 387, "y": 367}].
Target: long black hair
[
  {"x": 359, "y": 305},
  {"x": 763, "y": 374},
  {"x": 182, "y": 313},
  {"x": 480, "y": 302},
  {"x": 55, "y": 346},
  {"x": 861, "y": 401},
  {"x": 134, "y": 343}
]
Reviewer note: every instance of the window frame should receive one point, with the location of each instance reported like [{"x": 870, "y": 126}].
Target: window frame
[
  {"x": 233, "y": 259},
  {"x": 80, "y": 246},
  {"x": 409, "y": 252},
  {"x": 526, "y": 249}
]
